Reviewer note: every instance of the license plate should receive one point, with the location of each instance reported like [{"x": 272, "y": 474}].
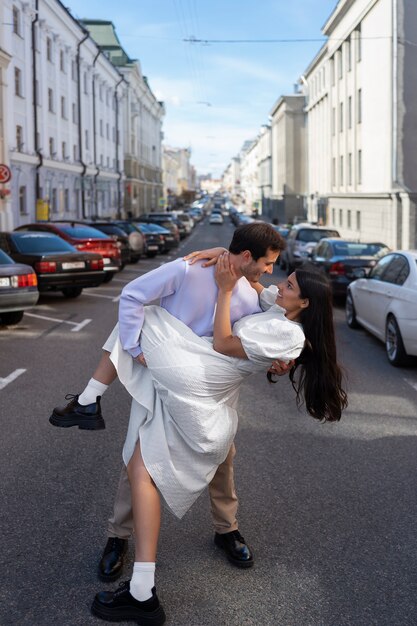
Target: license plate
[
  {"x": 152, "y": 247},
  {"x": 4, "y": 282},
  {"x": 169, "y": 238},
  {"x": 75, "y": 265},
  {"x": 106, "y": 261}
]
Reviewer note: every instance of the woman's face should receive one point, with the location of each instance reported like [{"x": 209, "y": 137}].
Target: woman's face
[{"x": 289, "y": 296}]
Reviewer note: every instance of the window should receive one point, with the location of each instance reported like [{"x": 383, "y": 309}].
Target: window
[
  {"x": 332, "y": 71},
  {"x": 49, "y": 49},
  {"x": 50, "y": 100},
  {"x": 75, "y": 153},
  {"x": 61, "y": 61},
  {"x": 51, "y": 147},
  {"x": 73, "y": 70},
  {"x": 54, "y": 201},
  {"x": 19, "y": 138},
  {"x": 349, "y": 218},
  {"x": 86, "y": 139},
  {"x": 359, "y": 167},
  {"x": 17, "y": 82},
  {"x": 63, "y": 108},
  {"x": 348, "y": 55},
  {"x": 74, "y": 112},
  {"x": 66, "y": 200},
  {"x": 101, "y": 128},
  {"x": 359, "y": 106},
  {"x": 397, "y": 270},
  {"x": 340, "y": 217},
  {"x": 340, "y": 63},
  {"x": 341, "y": 117},
  {"x": 342, "y": 170},
  {"x": 358, "y": 220},
  {"x": 358, "y": 43},
  {"x": 333, "y": 120},
  {"x": 16, "y": 21},
  {"x": 22, "y": 201},
  {"x": 64, "y": 150},
  {"x": 107, "y": 131},
  {"x": 324, "y": 78},
  {"x": 333, "y": 216},
  {"x": 350, "y": 112},
  {"x": 333, "y": 171},
  {"x": 85, "y": 83},
  {"x": 350, "y": 168}
]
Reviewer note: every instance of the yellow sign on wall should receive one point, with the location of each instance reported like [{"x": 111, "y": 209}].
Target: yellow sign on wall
[{"x": 42, "y": 211}]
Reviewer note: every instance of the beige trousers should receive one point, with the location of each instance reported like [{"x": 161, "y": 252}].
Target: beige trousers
[{"x": 223, "y": 500}]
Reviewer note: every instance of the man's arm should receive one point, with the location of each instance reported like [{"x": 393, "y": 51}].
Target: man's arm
[{"x": 154, "y": 285}]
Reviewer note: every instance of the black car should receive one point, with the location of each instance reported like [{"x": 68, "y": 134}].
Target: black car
[
  {"x": 18, "y": 289},
  {"x": 137, "y": 243},
  {"x": 58, "y": 265},
  {"x": 154, "y": 241},
  {"x": 119, "y": 236},
  {"x": 163, "y": 219},
  {"x": 168, "y": 239},
  {"x": 341, "y": 260}
]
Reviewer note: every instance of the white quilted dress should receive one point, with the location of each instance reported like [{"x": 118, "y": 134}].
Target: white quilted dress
[{"x": 184, "y": 403}]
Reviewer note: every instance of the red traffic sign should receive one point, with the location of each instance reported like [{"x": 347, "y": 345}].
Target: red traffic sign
[{"x": 5, "y": 174}]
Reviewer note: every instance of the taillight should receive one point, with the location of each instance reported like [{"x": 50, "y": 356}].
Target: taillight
[
  {"x": 337, "y": 269},
  {"x": 81, "y": 246},
  {"x": 24, "y": 280},
  {"x": 97, "y": 264},
  {"x": 161, "y": 237},
  {"x": 45, "y": 267}
]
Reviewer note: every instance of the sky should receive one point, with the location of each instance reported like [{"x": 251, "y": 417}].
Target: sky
[{"x": 217, "y": 95}]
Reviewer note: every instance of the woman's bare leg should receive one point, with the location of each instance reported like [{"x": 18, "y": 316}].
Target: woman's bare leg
[
  {"x": 105, "y": 371},
  {"x": 146, "y": 506}
]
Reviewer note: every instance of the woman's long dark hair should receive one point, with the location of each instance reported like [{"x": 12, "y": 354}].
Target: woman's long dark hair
[{"x": 316, "y": 374}]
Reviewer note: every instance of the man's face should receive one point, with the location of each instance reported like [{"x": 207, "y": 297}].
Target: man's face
[{"x": 253, "y": 270}]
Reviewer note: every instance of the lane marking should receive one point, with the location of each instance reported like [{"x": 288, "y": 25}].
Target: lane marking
[
  {"x": 412, "y": 383},
  {"x": 77, "y": 325},
  {"x": 98, "y": 295},
  {"x": 10, "y": 378}
]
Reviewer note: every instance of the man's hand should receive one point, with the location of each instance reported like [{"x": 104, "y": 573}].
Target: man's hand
[
  {"x": 141, "y": 360},
  {"x": 279, "y": 368}
]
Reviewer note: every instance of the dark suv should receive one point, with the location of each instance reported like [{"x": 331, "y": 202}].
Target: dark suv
[{"x": 301, "y": 241}]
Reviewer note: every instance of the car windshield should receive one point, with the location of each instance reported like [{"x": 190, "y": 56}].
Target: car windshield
[
  {"x": 311, "y": 234},
  {"x": 82, "y": 232},
  {"x": 40, "y": 242},
  {"x": 4, "y": 258},
  {"x": 152, "y": 228},
  {"x": 111, "y": 230},
  {"x": 348, "y": 248}
]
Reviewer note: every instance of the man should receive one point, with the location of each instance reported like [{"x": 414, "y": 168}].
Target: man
[{"x": 189, "y": 293}]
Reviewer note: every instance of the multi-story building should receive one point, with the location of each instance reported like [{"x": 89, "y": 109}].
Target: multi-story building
[
  {"x": 179, "y": 175},
  {"x": 143, "y": 115},
  {"x": 5, "y": 204},
  {"x": 231, "y": 178},
  {"x": 265, "y": 168},
  {"x": 250, "y": 175},
  {"x": 288, "y": 149},
  {"x": 362, "y": 140},
  {"x": 64, "y": 124}
]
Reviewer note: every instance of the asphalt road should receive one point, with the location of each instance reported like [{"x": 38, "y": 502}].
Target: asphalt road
[{"x": 329, "y": 509}]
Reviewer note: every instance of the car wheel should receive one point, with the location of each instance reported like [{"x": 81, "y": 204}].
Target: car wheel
[
  {"x": 151, "y": 255},
  {"x": 72, "y": 292},
  {"x": 350, "y": 312},
  {"x": 108, "y": 277},
  {"x": 394, "y": 344},
  {"x": 11, "y": 318}
]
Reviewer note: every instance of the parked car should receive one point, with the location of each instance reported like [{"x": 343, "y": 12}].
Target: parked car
[
  {"x": 58, "y": 265},
  {"x": 186, "y": 220},
  {"x": 216, "y": 218},
  {"x": 168, "y": 239},
  {"x": 137, "y": 243},
  {"x": 85, "y": 239},
  {"x": 119, "y": 236},
  {"x": 18, "y": 289},
  {"x": 282, "y": 230},
  {"x": 301, "y": 240},
  {"x": 385, "y": 303},
  {"x": 155, "y": 242},
  {"x": 341, "y": 259},
  {"x": 163, "y": 219}
]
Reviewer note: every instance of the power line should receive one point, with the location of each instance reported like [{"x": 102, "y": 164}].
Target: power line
[{"x": 301, "y": 40}]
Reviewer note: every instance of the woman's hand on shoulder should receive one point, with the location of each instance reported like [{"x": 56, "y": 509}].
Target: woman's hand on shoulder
[
  {"x": 212, "y": 254},
  {"x": 225, "y": 274}
]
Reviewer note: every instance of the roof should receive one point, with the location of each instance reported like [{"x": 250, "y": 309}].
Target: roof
[{"x": 104, "y": 34}]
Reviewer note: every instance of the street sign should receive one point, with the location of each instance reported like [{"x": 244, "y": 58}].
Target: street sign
[
  {"x": 42, "y": 210},
  {"x": 5, "y": 174},
  {"x": 162, "y": 202}
]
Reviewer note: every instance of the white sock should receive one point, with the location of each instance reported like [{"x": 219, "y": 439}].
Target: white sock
[
  {"x": 143, "y": 580},
  {"x": 94, "y": 388}
]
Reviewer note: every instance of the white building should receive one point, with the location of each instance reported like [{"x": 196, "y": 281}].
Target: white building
[
  {"x": 63, "y": 116},
  {"x": 143, "y": 115},
  {"x": 265, "y": 168},
  {"x": 5, "y": 204},
  {"x": 249, "y": 175},
  {"x": 362, "y": 137},
  {"x": 231, "y": 178},
  {"x": 179, "y": 175}
]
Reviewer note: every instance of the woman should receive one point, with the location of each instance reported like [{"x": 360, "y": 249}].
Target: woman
[{"x": 183, "y": 416}]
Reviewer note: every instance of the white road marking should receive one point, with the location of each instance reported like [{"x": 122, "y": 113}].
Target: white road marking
[
  {"x": 412, "y": 383},
  {"x": 77, "y": 325},
  {"x": 97, "y": 295},
  {"x": 10, "y": 378}
]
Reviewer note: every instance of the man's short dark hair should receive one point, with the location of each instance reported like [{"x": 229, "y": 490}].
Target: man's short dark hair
[{"x": 258, "y": 238}]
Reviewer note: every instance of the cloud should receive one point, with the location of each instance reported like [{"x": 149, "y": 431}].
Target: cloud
[{"x": 247, "y": 68}]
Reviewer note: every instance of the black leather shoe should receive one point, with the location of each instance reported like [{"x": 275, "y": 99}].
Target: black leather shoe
[
  {"x": 111, "y": 564},
  {"x": 87, "y": 417},
  {"x": 120, "y": 606},
  {"x": 235, "y": 548}
]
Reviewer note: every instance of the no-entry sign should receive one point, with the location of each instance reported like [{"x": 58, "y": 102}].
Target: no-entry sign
[{"x": 5, "y": 174}]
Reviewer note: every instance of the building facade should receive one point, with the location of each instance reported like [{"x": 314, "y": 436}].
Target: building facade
[{"x": 362, "y": 137}]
